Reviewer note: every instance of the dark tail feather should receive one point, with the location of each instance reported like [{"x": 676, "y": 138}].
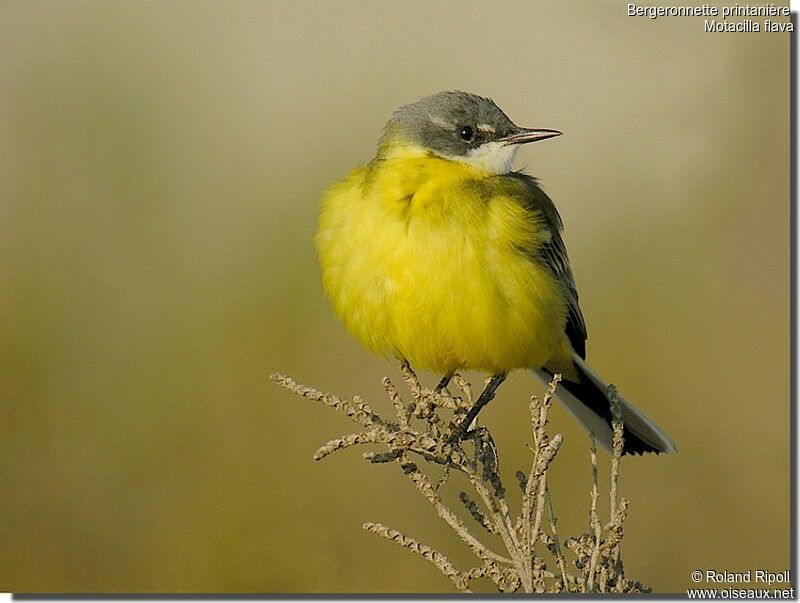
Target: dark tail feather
[{"x": 587, "y": 400}]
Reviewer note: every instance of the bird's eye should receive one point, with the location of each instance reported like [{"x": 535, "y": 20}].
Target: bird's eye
[{"x": 466, "y": 133}]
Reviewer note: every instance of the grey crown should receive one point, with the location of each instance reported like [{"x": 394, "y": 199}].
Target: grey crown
[{"x": 436, "y": 122}]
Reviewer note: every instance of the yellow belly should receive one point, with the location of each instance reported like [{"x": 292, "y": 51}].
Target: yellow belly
[{"x": 422, "y": 262}]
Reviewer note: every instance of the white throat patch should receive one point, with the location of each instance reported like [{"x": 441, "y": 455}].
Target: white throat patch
[{"x": 492, "y": 157}]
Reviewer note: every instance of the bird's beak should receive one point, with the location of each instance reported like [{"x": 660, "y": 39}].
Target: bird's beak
[{"x": 525, "y": 135}]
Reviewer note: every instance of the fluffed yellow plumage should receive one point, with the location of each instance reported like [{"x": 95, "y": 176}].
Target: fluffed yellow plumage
[{"x": 422, "y": 258}]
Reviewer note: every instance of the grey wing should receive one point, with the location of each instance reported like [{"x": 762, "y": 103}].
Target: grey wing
[{"x": 553, "y": 255}]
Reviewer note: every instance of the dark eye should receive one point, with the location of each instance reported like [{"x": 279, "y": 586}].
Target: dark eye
[{"x": 466, "y": 133}]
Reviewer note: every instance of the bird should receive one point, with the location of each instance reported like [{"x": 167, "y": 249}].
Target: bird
[{"x": 439, "y": 253}]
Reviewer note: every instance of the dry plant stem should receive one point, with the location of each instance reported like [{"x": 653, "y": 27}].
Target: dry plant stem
[
  {"x": 473, "y": 509},
  {"x": 465, "y": 388},
  {"x": 617, "y": 513},
  {"x": 536, "y": 485},
  {"x": 423, "y": 429},
  {"x": 426, "y": 489},
  {"x": 546, "y": 455},
  {"x": 551, "y": 513},
  {"x": 616, "y": 423},
  {"x": 538, "y": 413},
  {"x": 613, "y": 490},
  {"x": 440, "y": 561},
  {"x": 501, "y": 522},
  {"x": 397, "y": 402},
  {"x": 594, "y": 521}
]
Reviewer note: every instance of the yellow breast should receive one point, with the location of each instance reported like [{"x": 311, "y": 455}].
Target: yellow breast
[{"x": 427, "y": 260}]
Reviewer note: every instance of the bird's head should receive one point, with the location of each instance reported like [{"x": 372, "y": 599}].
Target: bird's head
[{"x": 463, "y": 127}]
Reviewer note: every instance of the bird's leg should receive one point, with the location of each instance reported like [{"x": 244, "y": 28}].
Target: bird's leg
[
  {"x": 486, "y": 396},
  {"x": 444, "y": 382}
]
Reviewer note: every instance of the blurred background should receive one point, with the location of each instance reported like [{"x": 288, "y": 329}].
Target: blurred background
[{"x": 160, "y": 172}]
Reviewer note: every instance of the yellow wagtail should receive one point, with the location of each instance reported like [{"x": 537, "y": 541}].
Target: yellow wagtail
[{"x": 438, "y": 253}]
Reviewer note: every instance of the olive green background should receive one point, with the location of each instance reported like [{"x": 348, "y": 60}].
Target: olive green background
[{"x": 160, "y": 171}]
